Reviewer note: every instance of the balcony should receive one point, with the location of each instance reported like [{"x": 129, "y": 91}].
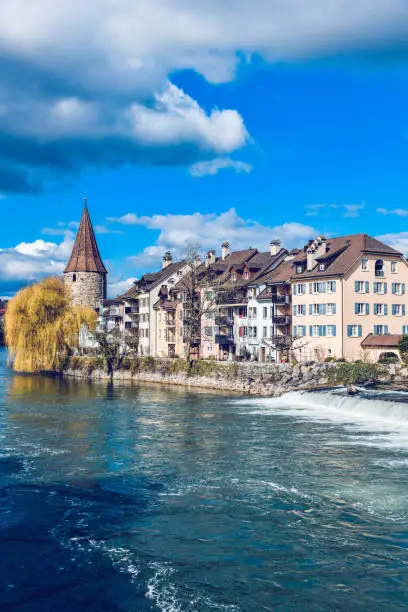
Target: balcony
[
  {"x": 230, "y": 297},
  {"x": 224, "y": 321},
  {"x": 224, "y": 340},
  {"x": 280, "y": 299},
  {"x": 115, "y": 312},
  {"x": 281, "y": 320}
]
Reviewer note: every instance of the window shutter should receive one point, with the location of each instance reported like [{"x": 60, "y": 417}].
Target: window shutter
[
  {"x": 294, "y": 311},
  {"x": 394, "y": 309},
  {"x": 386, "y": 329},
  {"x": 334, "y": 330},
  {"x": 334, "y": 308},
  {"x": 367, "y": 287},
  {"x": 385, "y": 309},
  {"x": 349, "y": 330},
  {"x": 356, "y": 284},
  {"x": 323, "y": 327},
  {"x": 294, "y": 289},
  {"x": 375, "y": 287},
  {"x": 360, "y": 331},
  {"x": 356, "y": 308},
  {"x": 310, "y": 287},
  {"x": 403, "y": 288},
  {"x": 403, "y": 310},
  {"x": 393, "y": 288},
  {"x": 304, "y": 330},
  {"x": 367, "y": 309},
  {"x": 310, "y": 330},
  {"x": 310, "y": 308},
  {"x": 385, "y": 288},
  {"x": 324, "y": 307}
]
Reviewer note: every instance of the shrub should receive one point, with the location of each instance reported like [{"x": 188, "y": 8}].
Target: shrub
[
  {"x": 388, "y": 359},
  {"x": 352, "y": 373}
]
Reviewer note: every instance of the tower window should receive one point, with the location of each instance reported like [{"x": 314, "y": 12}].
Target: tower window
[{"x": 73, "y": 278}]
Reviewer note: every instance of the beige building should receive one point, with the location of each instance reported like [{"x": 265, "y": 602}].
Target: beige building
[{"x": 345, "y": 290}]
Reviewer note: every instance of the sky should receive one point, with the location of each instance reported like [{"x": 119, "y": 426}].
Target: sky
[{"x": 199, "y": 122}]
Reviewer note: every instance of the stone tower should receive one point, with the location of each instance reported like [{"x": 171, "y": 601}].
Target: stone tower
[{"x": 85, "y": 273}]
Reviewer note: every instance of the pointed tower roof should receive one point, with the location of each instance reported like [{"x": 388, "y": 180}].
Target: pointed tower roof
[{"x": 85, "y": 255}]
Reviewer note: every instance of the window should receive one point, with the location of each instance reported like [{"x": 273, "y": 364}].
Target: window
[
  {"x": 398, "y": 288},
  {"x": 246, "y": 274},
  {"x": 398, "y": 310},
  {"x": 354, "y": 331},
  {"x": 299, "y": 269},
  {"x": 208, "y": 331},
  {"x": 234, "y": 276},
  {"x": 380, "y": 288},
  {"x": 394, "y": 267},
  {"x": 331, "y": 331},
  {"x": 327, "y": 287},
  {"x": 322, "y": 267},
  {"x": 361, "y": 308},
  {"x": 362, "y": 287},
  {"x": 265, "y": 312},
  {"x": 317, "y": 309},
  {"x": 331, "y": 309},
  {"x": 299, "y": 289},
  {"x": 380, "y": 309},
  {"x": 380, "y": 330},
  {"x": 331, "y": 286},
  {"x": 265, "y": 332},
  {"x": 299, "y": 331},
  {"x": 379, "y": 268},
  {"x": 364, "y": 265},
  {"x": 245, "y": 331},
  {"x": 405, "y": 330},
  {"x": 209, "y": 348},
  {"x": 317, "y": 330},
  {"x": 74, "y": 278},
  {"x": 299, "y": 310},
  {"x": 271, "y": 311},
  {"x": 209, "y": 295}
]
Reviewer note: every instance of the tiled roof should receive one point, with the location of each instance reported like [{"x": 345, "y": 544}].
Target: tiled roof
[
  {"x": 152, "y": 279},
  {"x": 281, "y": 274},
  {"x": 85, "y": 255},
  {"x": 341, "y": 253},
  {"x": 383, "y": 341}
]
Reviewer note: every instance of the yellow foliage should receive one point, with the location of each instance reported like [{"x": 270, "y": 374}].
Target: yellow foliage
[{"x": 42, "y": 326}]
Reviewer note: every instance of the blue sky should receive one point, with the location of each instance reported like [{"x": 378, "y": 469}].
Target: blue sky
[{"x": 239, "y": 136}]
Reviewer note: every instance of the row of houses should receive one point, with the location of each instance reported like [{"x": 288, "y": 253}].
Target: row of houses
[{"x": 341, "y": 297}]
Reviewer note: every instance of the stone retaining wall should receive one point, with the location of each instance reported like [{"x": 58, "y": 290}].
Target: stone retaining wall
[{"x": 265, "y": 380}]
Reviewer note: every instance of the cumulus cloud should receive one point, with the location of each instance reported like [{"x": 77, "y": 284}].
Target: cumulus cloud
[
  {"x": 397, "y": 240},
  {"x": 87, "y": 83},
  {"x": 116, "y": 288},
  {"x": 213, "y": 166},
  {"x": 210, "y": 230},
  {"x": 30, "y": 261}
]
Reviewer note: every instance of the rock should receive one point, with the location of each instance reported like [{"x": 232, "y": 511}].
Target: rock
[{"x": 352, "y": 390}]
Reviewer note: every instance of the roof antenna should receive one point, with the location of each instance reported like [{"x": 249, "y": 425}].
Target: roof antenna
[{"x": 85, "y": 199}]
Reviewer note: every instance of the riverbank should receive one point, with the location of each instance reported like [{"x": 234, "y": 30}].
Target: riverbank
[{"x": 270, "y": 380}]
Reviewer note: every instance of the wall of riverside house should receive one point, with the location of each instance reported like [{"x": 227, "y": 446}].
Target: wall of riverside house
[
  {"x": 352, "y": 346},
  {"x": 87, "y": 288},
  {"x": 317, "y": 348}
]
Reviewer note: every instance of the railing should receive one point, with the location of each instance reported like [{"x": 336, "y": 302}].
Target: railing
[
  {"x": 281, "y": 320},
  {"x": 280, "y": 299},
  {"x": 380, "y": 273},
  {"x": 224, "y": 320},
  {"x": 115, "y": 312},
  {"x": 224, "y": 340},
  {"x": 230, "y": 298}
]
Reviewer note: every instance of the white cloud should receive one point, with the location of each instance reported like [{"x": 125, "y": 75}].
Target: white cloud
[
  {"x": 118, "y": 287},
  {"x": 398, "y": 241},
  {"x": 213, "y": 166},
  {"x": 399, "y": 212},
  {"x": 348, "y": 210},
  {"x": 86, "y": 83},
  {"x": 210, "y": 230},
  {"x": 30, "y": 261}
]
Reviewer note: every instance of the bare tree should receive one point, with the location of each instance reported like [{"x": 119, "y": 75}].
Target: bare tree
[
  {"x": 111, "y": 349},
  {"x": 285, "y": 343}
]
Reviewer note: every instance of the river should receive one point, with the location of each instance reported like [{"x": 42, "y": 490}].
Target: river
[{"x": 123, "y": 498}]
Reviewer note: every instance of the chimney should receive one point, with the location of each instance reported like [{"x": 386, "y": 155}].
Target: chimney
[
  {"x": 197, "y": 261},
  {"x": 275, "y": 247},
  {"x": 167, "y": 259},
  {"x": 225, "y": 249},
  {"x": 210, "y": 258},
  {"x": 310, "y": 256}
]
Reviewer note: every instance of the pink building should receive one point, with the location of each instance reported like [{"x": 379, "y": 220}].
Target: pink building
[{"x": 344, "y": 291}]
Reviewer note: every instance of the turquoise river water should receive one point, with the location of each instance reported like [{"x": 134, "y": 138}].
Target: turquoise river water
[{"x": 148, "y": 498}]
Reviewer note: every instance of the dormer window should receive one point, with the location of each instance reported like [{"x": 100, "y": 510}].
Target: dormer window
[
  {"x": 379, "y": 267},
  {"x": 233, "y": 276},
  {"x": 246, "y": 274},
  {"x": 299, "y": 269},
  {"x": 322, "y": 267}
]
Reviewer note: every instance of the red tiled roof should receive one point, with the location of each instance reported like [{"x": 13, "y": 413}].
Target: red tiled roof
[
  {"x": 85, "y": 255},
  {"x": 383, "y": 341},
  {"x": 341, "y": 253}
]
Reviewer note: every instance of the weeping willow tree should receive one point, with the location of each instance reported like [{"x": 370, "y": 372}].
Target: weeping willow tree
[{"x": 42, "y": 326}]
